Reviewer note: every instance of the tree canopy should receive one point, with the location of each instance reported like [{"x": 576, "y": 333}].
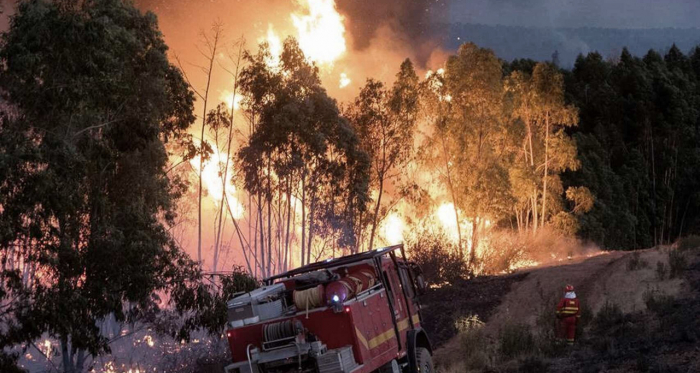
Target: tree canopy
[{"x": 90, "y": 101}]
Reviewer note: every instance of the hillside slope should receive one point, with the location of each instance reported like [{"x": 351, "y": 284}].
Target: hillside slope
[{"x": 621, "y": 281}]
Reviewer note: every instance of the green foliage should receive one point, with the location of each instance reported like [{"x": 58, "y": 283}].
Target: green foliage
[
  {"x": 300, "y": 147},
  {"x": 638, "y": 146},
  {"x": 208, "y": 300},
  {"x": 90, "y": 104},
  {"x": 464, "y": 107},
  {"x": 385, "y": 122},
  {"x": 539, "y": 115}
]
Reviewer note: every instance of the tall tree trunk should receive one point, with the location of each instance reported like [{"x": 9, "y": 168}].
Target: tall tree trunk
[
  {"x": 453, "y": 196},
  {"x": 303, "y": 219},
  {"x": 269, "y": 218},
  {"x": 262, "y": 235},
  {"x": 376, "y": 213},
  {"x": 529, "y": 139},
  {"x": 312, "y": 213},
  {"x": 535, "y": 214},
  {"x": 653, "y": 180},
  {"x": 211, "y": 57},
  {"x": 245, "y": 246},
  {"x": 289, "y": 219},
  {"x": 66, "y": 356},
  {"x": 546, "y": 172},
  {"x": 224, "y": 178},
  {"x": 475, "y": 243}
]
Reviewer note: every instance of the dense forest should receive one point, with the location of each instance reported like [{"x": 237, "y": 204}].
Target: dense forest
[
  {"x": 639, "y": 146},
  {"x": 481, "y": 157}
]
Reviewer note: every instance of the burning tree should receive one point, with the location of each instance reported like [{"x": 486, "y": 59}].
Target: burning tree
[
  {"x": 469, "y": 131},
  {"x": 302, "y": 161},
  {"x": 385, "y": 121},
  {"x": 545, "y": 149}
]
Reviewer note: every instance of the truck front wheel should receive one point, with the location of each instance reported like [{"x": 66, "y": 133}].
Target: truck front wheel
[{"x": 424, "y": 361}]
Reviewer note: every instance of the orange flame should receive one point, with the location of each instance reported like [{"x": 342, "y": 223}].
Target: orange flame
[
  {"x": 392, "y": 229},
  {"x": 212, "y": 175},
  {"x": 320, "y": 31}
]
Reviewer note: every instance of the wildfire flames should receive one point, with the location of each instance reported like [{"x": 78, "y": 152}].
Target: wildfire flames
[
  {"x": 320, "y": 31},
  {"x": 212, "y": 176}
]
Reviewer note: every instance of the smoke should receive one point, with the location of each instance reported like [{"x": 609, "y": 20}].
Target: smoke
[
  {"x": 570, "y": 13},
  {"x": 418, "y": 23}
]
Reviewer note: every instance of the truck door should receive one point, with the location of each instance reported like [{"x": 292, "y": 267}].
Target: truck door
[
  {"x": 409, "y": 291},
  {"x": 401, "y": 305}
]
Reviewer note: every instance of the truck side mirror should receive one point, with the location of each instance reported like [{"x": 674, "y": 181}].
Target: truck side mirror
[
  {"x": 418, "y": 278},
  {"x": 420, "y": 284}
]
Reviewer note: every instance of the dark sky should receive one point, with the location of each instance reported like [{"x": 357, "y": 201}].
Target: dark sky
[{"x": 578, "y": 13}]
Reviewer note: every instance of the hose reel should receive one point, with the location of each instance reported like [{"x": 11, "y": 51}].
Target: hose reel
[{"x": 281, "y": 331}]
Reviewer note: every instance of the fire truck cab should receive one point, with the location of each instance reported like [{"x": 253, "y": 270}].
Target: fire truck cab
[{"x": 359, "y": 314}]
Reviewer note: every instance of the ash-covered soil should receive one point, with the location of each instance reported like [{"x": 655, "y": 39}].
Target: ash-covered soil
[{"x": 480, "y": 297}]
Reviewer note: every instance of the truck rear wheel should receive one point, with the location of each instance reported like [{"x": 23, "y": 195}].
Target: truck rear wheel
[{"x": 424, "y": 361}]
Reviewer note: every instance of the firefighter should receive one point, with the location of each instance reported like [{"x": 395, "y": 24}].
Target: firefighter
[{"x": 568, "y": 313}]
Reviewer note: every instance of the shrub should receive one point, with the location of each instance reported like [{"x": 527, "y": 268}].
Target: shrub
[
  {"x": 658, "y": 303},
  {"x": 516, "y": 339},
  {"x": 438, "y": 257},
  {"x": 503, "y": 252},
  {"x": 636, "y": 262},
  {"x": 468, "y": 323},
  {"x": 475, "y": 352},
  {"x": 689, "y": 243},
  {"x": 661, "y": 270},
  {"x": 609, "y": 317},
  {"x": 677, "y": 263}
]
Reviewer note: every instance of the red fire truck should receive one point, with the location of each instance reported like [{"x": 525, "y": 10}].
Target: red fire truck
[{"x": 359, "y": 314}]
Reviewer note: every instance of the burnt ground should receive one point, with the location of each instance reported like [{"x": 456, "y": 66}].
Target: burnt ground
[
  {"x": 480, "y": 297},
  {"x": 641, "y": 334}
]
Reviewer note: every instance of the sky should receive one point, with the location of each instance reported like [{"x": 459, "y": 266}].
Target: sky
[{"x": 578, "y": 13}]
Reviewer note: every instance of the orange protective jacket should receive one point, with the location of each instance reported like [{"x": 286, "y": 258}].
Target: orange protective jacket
[{"x": 568, "y": 308}]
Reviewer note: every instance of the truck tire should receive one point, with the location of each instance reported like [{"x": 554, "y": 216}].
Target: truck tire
[{"x": 424, "y": 361}]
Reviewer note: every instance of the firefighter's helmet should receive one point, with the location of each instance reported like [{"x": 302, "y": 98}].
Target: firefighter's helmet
[{"x": 569, "y": 288}]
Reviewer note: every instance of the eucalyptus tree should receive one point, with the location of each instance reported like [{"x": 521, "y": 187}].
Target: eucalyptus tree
[
  {"x": 469, "y": 131},
  {"x": 90, "y": 102},
  {"x": 300, "y": 150},
  {"x": 385, "y": 121},
  {"x": 546, "y": 150}
]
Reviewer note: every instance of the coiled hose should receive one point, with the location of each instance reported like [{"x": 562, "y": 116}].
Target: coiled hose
[
  {"x": 309, "y": 298},
  {"x": 279, "y": 330}
]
